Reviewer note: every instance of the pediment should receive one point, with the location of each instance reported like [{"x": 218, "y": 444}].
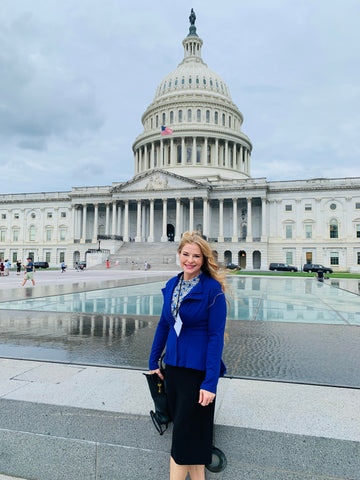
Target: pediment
[{"x": 158, "y": 180}]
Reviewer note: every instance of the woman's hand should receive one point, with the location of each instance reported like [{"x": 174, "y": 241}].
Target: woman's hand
[
  {"x": 158, "y": 372},
  {"x": 205, "y": 397}
]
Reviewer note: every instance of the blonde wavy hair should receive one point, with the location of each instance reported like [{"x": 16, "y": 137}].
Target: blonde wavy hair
[{"x": 209, "y": 267}]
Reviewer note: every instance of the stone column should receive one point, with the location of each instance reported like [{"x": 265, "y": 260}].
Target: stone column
[
  {"x": 113, "y": 226},
  {"x": 126, "y": 221},
  {"x": 83, "y": 233},
  {"x": 145, "y": 157},
  {"x": 263, "y": 220},
  {"x": 73, "y": 216},
  {"x": 138, "y": 222},
  {"x": 249, "y": 227},
  {"x": 235, "y": 237},
  {"x": 172, "y": 158},
  {"x": 152, "y": 156},
  {"x": 217, "y": 152},
  {"x": 118, "y": 230},
  {"x": 227, "y": 154},
  {"x": 161, "y": 159},
  {"x": 242, "y": 168},
  {"x": 177, "y": 228},
  {"x": 191, "y": 215},
  {"x": 107, "y": 218},
  {"x": 221, "y": 220},
  {"x": 183, "y": 157},
  {"x": 164, "y": 228},
  {"x": 151, "y": 229},
  {"x": 205, "y": 217},
  {"x": 96, "y": 216}
]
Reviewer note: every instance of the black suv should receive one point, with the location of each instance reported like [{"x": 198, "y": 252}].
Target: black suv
[
  {"x": 282, "y": 267},
  {"x": 41, "y": 265},
  {"x": 315, "y": 267}
]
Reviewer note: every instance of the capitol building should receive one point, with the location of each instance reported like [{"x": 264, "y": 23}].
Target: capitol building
[{"x": 192, "y": 171}]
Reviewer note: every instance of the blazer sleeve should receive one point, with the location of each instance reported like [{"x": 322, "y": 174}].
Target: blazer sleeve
[
  {"x": 159, "y": 342},
  {"x": 216, "y": 331}
]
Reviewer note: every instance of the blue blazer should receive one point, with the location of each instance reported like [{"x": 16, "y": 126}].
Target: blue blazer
[{"x": 201, "y": 340}]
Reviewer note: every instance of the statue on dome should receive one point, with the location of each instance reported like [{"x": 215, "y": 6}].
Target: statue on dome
[{"x": 192, "y": 17}]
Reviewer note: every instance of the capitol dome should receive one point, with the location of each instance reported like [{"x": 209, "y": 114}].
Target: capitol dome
[{"x": 192, "y": 127}]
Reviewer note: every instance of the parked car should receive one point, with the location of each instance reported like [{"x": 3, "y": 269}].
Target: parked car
[
  {"x": 41, "y": 265},
  {"x": 232, "y": 266},
  {"x": 282, "y": 267},
  {"x": 315, "y": 267}
]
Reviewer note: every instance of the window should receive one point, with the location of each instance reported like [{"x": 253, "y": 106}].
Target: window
[
  {"x": 16, "y": 216},
  {"x": 308, "y": 231},
  {"x": 188, "y": 153},
  {"x": 334, "y": 231},
  {"x": 33, "y": 215},
  {"x": 333, "y": 206},
  {"x": 197, "y": 81},
  {"x": 216, "y": 117},
  {"x": 163, "y": 119},
  {"x": 208, "y": 154},
  {"x": 14, "y": 259},
  {"x": 334, "y": 258},
  {"x": 229, "y": 122},
  {"x": 171, "y": 117},
  {"x": 223, "y": 119},
  {"x": 2, "y": 236},
  {"x": 358, "y": 230},
  {"x": 3, "y": 216},
  {"x": 189, "y": 115},
  {"x": 47, "y": 257},
  {"x": 62, "y": 234},
  {"x": 63, "y": 214},
  {"x": 288, "y": 208},
  {"x": 308, "y": 207},
  {"x": 16, "y": 235},
  {"x": 62, "y": 257},
  {"x": 157, "y": 121},
  {"x": 48, "y": 235},
  {"x": 289, "y": 258},
  {"x": 180, "y": 116},
  {"x": 32, "y": 233},
  {"x": 288, "y": 231},
  {"x": 198, "y": 115},
  {"x": 207, "y": 116},
  {"x": 31, "y": 255},
  {"x": 357, "y": 205},
  {"x": 49, "y": 215},
  {"x": 179, "y": 154}
]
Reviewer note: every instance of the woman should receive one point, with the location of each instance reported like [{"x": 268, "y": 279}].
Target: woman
[{"x": 192, "y": 326}]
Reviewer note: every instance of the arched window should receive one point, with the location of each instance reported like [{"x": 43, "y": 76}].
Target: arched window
[
  {"x": 198, "y": 115},
  {"x": 216, "y": 118},
  {"x": 223, "y": 119},
  {"x": 207, "y": 116},
  {"x": 188, "y": 153},
  {"x": 180, "y": 116},
  {"x": 157, "y": 120},
  {"x": 171, "y": 117},
  {"x": 334, "y": 229},
  {"x": 163, "y": 119},
  {"x": 189, "y": 115},
  {"x": 32, "y": 233}
]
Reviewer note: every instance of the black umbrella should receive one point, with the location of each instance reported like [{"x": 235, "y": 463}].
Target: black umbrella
[{"x": 161, "y": 416}]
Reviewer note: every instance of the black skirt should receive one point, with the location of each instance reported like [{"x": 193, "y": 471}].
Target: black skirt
[{"x": 193, "y": 423}]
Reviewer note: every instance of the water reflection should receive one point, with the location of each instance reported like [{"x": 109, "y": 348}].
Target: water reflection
[{"x": 251, "y": 299}]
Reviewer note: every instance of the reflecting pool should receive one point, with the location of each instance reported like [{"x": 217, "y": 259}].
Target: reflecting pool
[{"x": 302, "y": 300}]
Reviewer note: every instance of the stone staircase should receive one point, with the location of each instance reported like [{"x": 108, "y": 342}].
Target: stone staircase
[{"x": 133, "y": 255}]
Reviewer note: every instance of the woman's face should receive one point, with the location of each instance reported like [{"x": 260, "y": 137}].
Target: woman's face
[{"x": 191, "y": 260}]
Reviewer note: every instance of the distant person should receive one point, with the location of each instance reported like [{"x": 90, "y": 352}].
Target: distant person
[
  {"x": 146, "y": 266},
  {"x": 2, "y": 267},
  {"x": 63, "y": 267},
  {"x": 18, "y": 267},
  {"x": 107, "y": 263},
  {"x": 7, "y": 267},
  {"x": 29, "y": 272},
  {"x": 76, "y": 266},
  {"x": 320, "y": 275}
]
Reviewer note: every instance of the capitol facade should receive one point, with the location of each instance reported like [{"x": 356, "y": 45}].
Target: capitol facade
[{"x": 192, "y": 175}]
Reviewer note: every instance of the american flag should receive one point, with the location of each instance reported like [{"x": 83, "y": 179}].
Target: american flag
[{"x": 166, "y": 131}]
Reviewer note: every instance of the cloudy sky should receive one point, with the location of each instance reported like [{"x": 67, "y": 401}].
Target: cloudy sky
[{"x": 76, "y": 76}]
